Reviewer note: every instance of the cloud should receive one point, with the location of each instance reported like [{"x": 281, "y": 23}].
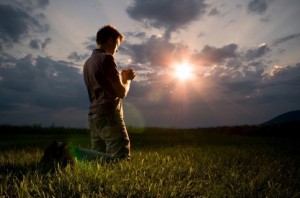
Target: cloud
[
  {"x": 46, "y": 42},
  {"x": 235, "y": 82},
  {"x": 16, "y": 23},
  {"x": 201, "y": 34},
  {"x": 214, "y": 12},
  {"x": 228, "y": 55},
  {"x": 252, "y": 54},
  {"x": 154, "y": 51},
  {"x": 34, "y": 44},
  {"x": 29, "y": 6},
  {"x": 282, "y": 85},
  {"x": 258, "y": 6},
  {"x": 212, "y": 55},
  {"x": 286, "y": 38},
  {"x": 167, "y": 14},
  {"x": 77, "y": 57},
  {"x": 40, "y": 90},
  {"x": 139, "y": 35},
  {"x": 225, "y": 97},
  {"x": 158, "y": 51},
  {"x": 90, "y": 44},
  {"x": 40, "y": 3},
  {"x": 37, "y": 44},
  {"x": 286, "y": 75},
  {"x": 13, "y": 23},
  {"x": 40, "y": 82},
  {"x": 53, "y": 92}
]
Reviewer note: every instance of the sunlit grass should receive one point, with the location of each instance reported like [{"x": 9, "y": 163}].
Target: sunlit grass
[{"x": 170, "y": 171}]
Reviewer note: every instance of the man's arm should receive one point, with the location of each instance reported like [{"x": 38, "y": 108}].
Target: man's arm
[
  {"x": 121, "y": 88},
  {"x": 126, "y": 77},
  {"x": 120, "y": 83}
]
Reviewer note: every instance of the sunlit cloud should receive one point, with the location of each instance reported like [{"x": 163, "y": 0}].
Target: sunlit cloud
[{"x": 276, "y": 69}]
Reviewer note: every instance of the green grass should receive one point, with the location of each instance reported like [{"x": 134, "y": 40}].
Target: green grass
[{"x": 165, "y": 163}]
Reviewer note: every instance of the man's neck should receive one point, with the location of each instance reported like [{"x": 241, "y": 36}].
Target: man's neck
[
  {"x": 101, "y": 47},
  {"x": 104, "y": 48}
]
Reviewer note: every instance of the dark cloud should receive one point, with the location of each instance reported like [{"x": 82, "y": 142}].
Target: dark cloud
[
  {"x": 13, "y": 23},
  {"x": 167, "y": 14},
  {"x": 281, "y": 88},
  {"x": 239, "y": 82},
  {"x": 252, "y": 54},
  {"x": 41, "y": 91},
  {"x": 17, "y": 23},
  {"x": 40, "y": 82},
  {"x": 53, "y": 92},
  {"x": 46, "y": 42},
  {"x": 212, "y": 55},
  {"x": 214, "y": 12},
  {"x": 34, "y": 44},
  {"x": 286, "y": 38},
  {"x": 77, "y": 57},
  {"x": 288, "y": 76},
  {"x": 90, "y": 44},
  {"x": 37, "y": 44},
  {"x": 258, "y": 6},
  {"x": 30, "y": 5},
  {"x": 228, "y": 55},
  {"x": 41, "y": 3}
]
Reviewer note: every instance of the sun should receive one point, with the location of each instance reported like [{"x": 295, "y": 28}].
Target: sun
[{"x": 183, "y": 71}]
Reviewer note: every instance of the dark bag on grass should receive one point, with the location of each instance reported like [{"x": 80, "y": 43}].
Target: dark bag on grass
[{"x": 56, "y": 154}]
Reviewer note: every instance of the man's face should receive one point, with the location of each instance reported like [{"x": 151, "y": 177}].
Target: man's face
[{"x": 113, "y": 46}]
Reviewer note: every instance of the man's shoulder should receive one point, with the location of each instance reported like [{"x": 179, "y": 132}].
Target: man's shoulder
[
  {"x": 98, "y": 53},
  {"x": 108, "y": 58},
  {"x": 101, "y": 55}
]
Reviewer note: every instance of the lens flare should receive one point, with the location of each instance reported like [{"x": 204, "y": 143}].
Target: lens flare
[{"x": 183, "y": 71}]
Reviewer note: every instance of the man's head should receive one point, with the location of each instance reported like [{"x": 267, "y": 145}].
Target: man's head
[{"x": 109, "y": 39}]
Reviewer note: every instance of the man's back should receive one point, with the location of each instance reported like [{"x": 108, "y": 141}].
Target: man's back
[{"x": 99, "y": 71}]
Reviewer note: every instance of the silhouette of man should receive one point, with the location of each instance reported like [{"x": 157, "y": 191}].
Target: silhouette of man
[{"x": 106, "y": 88}]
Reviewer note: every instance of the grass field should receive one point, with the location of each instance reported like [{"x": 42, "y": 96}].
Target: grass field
[{"x": 165, "y": 163}]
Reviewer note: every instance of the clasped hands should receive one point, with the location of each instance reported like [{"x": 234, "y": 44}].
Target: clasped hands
[{"x": 128, "y": 74}]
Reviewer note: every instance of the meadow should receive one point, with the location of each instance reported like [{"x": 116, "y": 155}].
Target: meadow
[{"x": 243, "y": 161}]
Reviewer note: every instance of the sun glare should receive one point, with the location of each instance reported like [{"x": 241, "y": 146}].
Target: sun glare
[{"x": 183, "y": 71}]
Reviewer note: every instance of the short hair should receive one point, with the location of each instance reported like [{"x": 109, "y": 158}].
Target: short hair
[{"x": 107, "y": 32}]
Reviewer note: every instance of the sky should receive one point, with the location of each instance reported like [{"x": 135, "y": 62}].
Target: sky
[{"x": 244, "y": 55}]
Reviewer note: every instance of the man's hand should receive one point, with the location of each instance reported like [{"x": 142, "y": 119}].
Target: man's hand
[{"x": 127, "y": 74}]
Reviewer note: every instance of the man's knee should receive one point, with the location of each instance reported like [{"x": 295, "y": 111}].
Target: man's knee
[{"x": 119, "y": 148}]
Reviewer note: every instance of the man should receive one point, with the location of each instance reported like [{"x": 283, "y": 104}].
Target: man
[{"x": 106, "y": 88}]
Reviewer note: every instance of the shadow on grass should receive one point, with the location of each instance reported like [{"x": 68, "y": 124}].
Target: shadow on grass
[{"x": 18, "y": 170}]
